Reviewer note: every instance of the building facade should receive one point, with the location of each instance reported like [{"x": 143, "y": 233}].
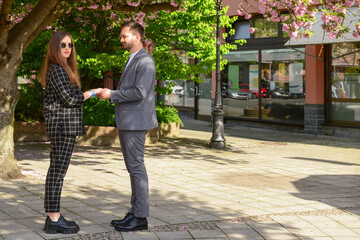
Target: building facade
[{"x": 310, "y": 86}]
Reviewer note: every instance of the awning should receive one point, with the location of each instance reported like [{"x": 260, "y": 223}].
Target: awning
[{"x": 320, "y": 37}]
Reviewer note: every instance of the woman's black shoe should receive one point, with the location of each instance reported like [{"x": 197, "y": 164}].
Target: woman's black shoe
[
  {"x": 122, "y": 221},
  {"x": 61, "y": 226}
]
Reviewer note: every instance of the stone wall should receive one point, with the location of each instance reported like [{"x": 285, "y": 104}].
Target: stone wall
[{"x": 95, "y": 135}]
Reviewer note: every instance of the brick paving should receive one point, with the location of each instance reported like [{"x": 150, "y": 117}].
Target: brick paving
[{"x": 266, "y": 185}]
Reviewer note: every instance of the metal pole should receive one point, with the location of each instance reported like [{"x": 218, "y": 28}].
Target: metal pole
[{"x": 218, "y": 140}]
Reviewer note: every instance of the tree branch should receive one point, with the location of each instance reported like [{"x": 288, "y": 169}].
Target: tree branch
[
  {"x": 23, "y": 31},
  {"x": 5, "y": 19},
  {"x": 49, "y": 19},
  {"x": 146, "y": 8}
]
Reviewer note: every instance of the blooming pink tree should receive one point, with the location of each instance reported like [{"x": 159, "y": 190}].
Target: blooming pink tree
[
  {"x": 298, "y": 16},
  {"x": 20, "y": 23}
]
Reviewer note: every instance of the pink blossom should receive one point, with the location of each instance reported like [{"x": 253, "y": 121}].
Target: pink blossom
[
  {"x": 28, "y": 7},
  {"x": 173, "y": 3},
  {"x": 77, "y": 19},
  {"x": 300, "y": 24},
  {"x": 80, "y": 8},
  {"x": 275, "y": 19},
  {"x": 286, "y": 27},
  {"x": 112, "y": 16},
  {"x": 313, "y": 13},
  {"x": 331, "y": 35},
  {"x": 325, "y": 18},
  {"x": 261, "y": 10},
  {"x": 355, "y": 34},
  {"x": 272, "y": 3},
  {"x": 93, "y": 26},
  {"x": 293, "y": 34},
  {"x": 306, "y": 35},
  {"x": 303, "y": 15},
  {"x": 251, "y": 30},
  {"x": 139, "y": 18},
  {"x": 283, "y": 18},
  {"x": 93, "y": 6},
  {"x": 134, "y": 4},
  {"x": 32, "y": 76},
  {"x": 241, "y": 12},
  {"x": 358, "y": 27},
  {"x": 294, "y": 25},
  {"x": 274, "y": 13},
  {"x": 339, "y": 20}
]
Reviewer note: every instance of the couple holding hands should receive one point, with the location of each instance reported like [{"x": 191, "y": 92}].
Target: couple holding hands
[{"x": 135, "y": 113}]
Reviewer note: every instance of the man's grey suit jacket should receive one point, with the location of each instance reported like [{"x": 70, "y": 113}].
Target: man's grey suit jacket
[{"x": 134, "y": 96}]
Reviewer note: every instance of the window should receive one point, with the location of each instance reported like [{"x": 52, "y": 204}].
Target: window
[
  {"x": 241, "y": 30},
  {"x": 267, "y": 34},
  {"x": 344, "y": 83},
  {"x": 265, "y": 29},
  {"x": 275, "y": 88},
  {"x": 239, "y": 80}
]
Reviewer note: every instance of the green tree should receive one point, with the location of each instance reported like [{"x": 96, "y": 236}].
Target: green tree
[{"x": 20, "y": 23}]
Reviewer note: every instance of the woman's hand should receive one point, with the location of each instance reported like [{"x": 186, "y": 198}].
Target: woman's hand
[{"x": 91, "y": 93}]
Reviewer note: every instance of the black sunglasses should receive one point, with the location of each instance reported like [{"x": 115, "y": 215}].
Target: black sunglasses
[{"x": 63, "y": 45}]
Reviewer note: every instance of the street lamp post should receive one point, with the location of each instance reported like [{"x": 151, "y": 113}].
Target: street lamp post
[{"x": 217, "y": 139}]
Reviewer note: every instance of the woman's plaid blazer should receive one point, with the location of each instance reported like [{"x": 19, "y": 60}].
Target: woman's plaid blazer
[{"x": 62, "y": 104}]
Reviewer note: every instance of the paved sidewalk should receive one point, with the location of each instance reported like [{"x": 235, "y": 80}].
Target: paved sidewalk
[{"x": 268, "y": 184}]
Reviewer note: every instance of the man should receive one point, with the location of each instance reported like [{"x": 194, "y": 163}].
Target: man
[{"x": 134, "y": 114}]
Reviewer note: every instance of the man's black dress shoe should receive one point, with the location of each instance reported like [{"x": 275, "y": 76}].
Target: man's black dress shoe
[
  {"x": 61, "y": 226},
  {"x": 128, "y": 216},
  {"x": 134, "y": 224}
]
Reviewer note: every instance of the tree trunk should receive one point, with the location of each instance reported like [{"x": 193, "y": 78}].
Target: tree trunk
[{"x": 9, "y": 95}]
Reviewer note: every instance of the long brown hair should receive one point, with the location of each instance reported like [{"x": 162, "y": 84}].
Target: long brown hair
[{"x": 54, "y": 56}]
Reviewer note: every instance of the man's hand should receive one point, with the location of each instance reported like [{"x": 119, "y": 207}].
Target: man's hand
[
  {"x": 104, "y": 93},
  {"x": 97, "y": 90}
]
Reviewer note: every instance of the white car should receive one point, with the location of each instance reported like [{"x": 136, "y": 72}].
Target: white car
[{"x": 178, "y": 90}]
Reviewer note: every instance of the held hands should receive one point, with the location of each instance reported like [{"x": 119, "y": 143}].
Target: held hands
[
  {"x": 96, "y": 91},
  {"x": 91, "y": 93},
  {"x": 104, "y": 93}
]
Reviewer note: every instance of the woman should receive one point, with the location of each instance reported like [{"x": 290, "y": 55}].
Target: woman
[{"x": 63, "y": 121}]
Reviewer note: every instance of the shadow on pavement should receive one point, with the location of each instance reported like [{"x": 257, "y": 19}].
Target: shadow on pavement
[
  {"x": 324, "y": 161},
  {"x": 340, "y": 191},
  {"x": 96, "y": 190},
  {"x": 271, "y": 135}
]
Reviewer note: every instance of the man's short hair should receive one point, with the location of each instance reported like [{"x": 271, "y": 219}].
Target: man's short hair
[{"x": 135, "y": 28}]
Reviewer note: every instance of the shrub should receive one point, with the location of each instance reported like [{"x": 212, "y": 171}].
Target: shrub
[
  {"x": 29, "y": 107},
  {"x": 167, "y": 114},
  {"x": 98, "y": 112}
]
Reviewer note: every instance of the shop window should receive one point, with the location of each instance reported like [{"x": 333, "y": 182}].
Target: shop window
[
  {"x": 265, "y": 28},
  {"x": 239, "y": 83},
  {"x": 279, "y": 93},
  {"x": 182, "y": 93},
  {"x": 344, "y": 83},
  {"x": 283, "y": 78}
]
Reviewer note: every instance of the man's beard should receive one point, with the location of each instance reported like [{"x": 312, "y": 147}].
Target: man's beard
[{"x": 128, "y": 46}]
